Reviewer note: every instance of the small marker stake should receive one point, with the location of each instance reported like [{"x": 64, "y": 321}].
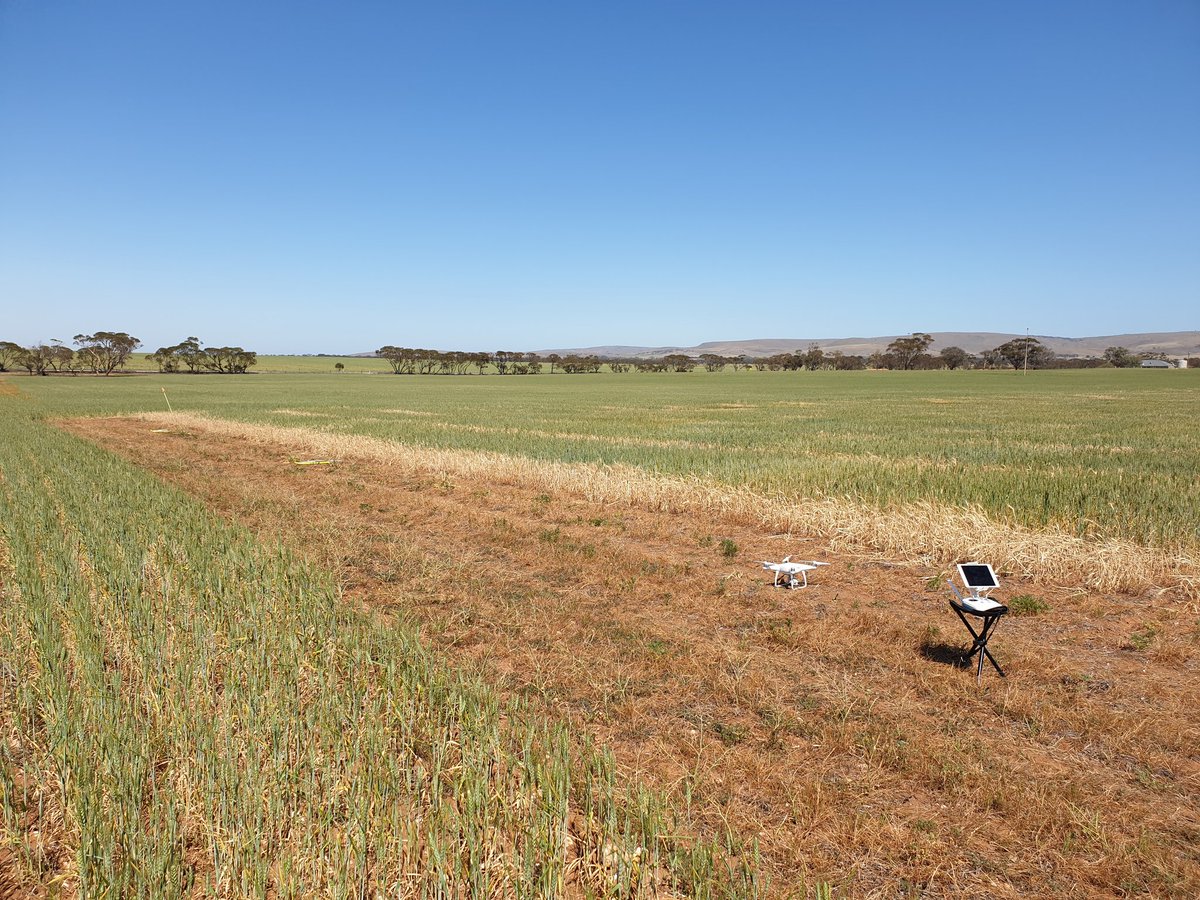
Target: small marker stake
[{"x": 168, "y": 399}]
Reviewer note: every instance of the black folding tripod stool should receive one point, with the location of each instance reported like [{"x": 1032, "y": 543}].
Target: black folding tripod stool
[{"x": 989, "y": 618}]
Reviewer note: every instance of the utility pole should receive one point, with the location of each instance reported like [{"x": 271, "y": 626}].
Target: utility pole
[{"x": 1025, "y": 371}]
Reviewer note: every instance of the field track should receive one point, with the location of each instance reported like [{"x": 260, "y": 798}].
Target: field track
[{"x": 830, "y": 723}]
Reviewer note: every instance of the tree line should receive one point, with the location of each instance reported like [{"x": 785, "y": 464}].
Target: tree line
[
  {"x": 905, "y": 353},
  {"x": 415, "y": 361},
  {"x": 105, "y": 352},
  {"x": 1019, "y": 353},
  {"x": 912, "y": 353}
]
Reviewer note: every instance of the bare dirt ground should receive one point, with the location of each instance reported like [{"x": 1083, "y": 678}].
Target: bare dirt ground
[{"x": 832, "y": 724}]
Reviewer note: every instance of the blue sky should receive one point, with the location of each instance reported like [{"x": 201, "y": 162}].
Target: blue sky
[{"x": 330, "y": 177}]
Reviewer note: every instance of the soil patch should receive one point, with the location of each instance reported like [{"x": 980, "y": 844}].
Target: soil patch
[{"x": 831, "y": 724}]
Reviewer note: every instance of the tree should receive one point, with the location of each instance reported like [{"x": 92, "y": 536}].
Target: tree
[
  {"x": 580, "y": 365},
  {"x": 679, "y": 362},
  {"x": 1121, "y": 358},
  {"x": 186, "y": 352},
  {"x": 36, "y": 359},
  {"x": 59, "y": 357},
  {"x": 991, "y": 359},
  {"x": 906, "y": 350},
  {"x": 165, "y": 359},
  {"x": 427, "y": 360},
  {"x": 776, "y": 362},
  {"x": 105, "y": 351},
  {"x": 229, "y": 360},
  {"x": 713, "y": 362},
  {"x": 554, "y": 359},
  {"x": 339, "y": 367},
  {"x": 454, "y": 362},
  {"x": 812, "y": 359},
  {"x": 847, "y": 362},
  {"x": 1025, "y": 351},
  {"x": 189, "y": 351},
  {"x": 955, "y": 357},
  {"x": 650, "y": 365},
  {"x": 10, "y": 355},
  {"x": 402, "y": 360},
  {"x": 243, "y": 360}
]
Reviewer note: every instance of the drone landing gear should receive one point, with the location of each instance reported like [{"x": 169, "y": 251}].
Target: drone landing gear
[{"x": 791, "y": 582}]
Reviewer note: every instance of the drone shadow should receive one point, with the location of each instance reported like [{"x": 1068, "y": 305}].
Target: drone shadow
[{"x": 946, "y": 654}]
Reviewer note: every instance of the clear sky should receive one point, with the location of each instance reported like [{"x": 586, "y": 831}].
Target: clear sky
[{"x": 329, "y": 177}]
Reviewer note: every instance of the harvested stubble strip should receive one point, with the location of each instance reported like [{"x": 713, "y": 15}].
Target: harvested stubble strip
[{"x": 931, "y": 533}]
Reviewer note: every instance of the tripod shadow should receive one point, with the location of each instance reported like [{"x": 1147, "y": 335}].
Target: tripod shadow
[{"x": 946, "y": 654}]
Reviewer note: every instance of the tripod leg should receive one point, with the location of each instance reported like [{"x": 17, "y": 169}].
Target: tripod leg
[
  {"x": 966, "y": 657},
  {"x": 992, "y": 660}
]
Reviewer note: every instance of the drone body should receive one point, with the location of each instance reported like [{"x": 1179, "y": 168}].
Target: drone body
[{"x": 790, "y": 570}]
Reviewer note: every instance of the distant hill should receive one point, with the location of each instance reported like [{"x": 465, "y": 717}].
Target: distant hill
[{"x": 1173, "y": 343}]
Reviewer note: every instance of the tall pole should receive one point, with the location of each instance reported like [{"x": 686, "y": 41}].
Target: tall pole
[{"x": 1025, "y": 371}]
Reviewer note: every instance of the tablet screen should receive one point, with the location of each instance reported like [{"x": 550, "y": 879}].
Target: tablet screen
[{"x": 978, "y": 575}]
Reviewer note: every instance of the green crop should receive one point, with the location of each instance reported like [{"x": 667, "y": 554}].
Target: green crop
[{"x": 187, "y": 712}]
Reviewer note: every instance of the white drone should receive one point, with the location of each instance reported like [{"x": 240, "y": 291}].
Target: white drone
[{"x": 791, "y": 570}]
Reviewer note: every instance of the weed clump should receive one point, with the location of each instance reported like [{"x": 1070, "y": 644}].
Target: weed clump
[
  {"x": 1142, "y": 639},
  {"x": 1027, "y": 605}
]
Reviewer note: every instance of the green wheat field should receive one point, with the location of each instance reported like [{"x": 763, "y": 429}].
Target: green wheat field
[{"x": 201, "y": 716}]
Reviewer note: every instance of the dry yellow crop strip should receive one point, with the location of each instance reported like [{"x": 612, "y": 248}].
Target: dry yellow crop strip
[
  {"x": 932, "y": 533},
  {"x": 527, "y": 432},
  {"x": 574, "y": 436}
]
